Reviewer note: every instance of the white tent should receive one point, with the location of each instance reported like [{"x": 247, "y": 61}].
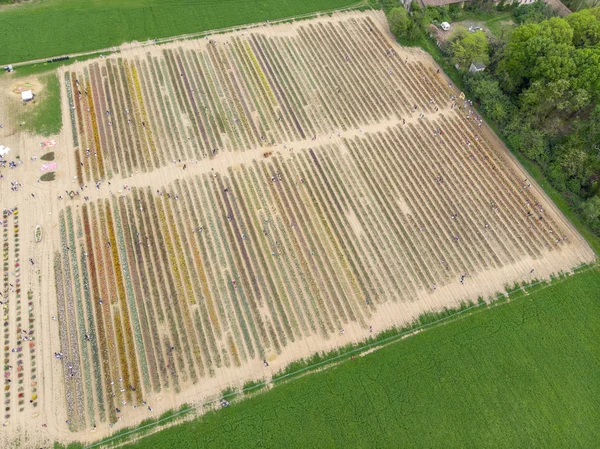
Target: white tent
[
  {"x": 27, "y": 95},
  {"x": 4, "y": 150}
]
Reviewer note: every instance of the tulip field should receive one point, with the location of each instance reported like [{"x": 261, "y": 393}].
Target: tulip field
[
  {"x": 19, "y": 364},
  {"x": 274, "y": 193},
  {"x": 239, "y": 93}
]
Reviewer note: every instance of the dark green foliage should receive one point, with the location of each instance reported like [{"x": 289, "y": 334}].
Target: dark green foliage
[
  {"x": 531, "y": 142},
  {"x": 481, "y": 6},
  {"x": 253, "y": 386},
  {"x": 408, "y": 27},
  {"x": 48, "y": 176},
  {"x": 70, "y": 446},
  {"x": 166, "y": 415},
  {"x": 455, "y": 10},
  {"x": 519, "y": 375},
  {"x": 41, "y": 67},
  {"x": 465, "y": 47},
  {"x": 148, "y": 422},
  {"x": 534, "y": 12},
  {"x": 48, "y": 156},
  {"x": 399, "y": 21},
  {"x": 438, "y": 15},
  {"x": 590, "y": 209},
  {"x": 229, "y": 393},
  {"x": 586, "y": 28},
  {"x": 495, "y": 104},
  {"x": 388, "y": 5},
  {"x": 172, "y": 413}
]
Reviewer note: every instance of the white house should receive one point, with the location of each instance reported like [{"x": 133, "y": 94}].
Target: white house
[
  {"x": 27, "y": 95},
  {"x": 476, "y": 67}
]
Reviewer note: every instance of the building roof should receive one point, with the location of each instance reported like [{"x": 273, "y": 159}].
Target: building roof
[
  {"x": 26, "y": 95},
  {"x": 478, "y": 65},
  {"x": 439, "y": 2}
]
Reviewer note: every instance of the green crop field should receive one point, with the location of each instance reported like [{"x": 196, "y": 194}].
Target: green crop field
[
  {"x": 85, "y": 25},
  {"x": 522, "y": 374}
]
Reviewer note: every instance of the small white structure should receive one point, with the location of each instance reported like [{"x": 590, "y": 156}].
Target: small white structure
[
  {"x": 445, "y": 26},
  {"x": 4, "y": 150},
  {"x": 27, "y": 95},
  {"x": 476, "y": 67}
]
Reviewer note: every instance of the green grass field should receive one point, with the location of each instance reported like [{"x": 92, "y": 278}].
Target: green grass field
[
  {"x": 521, "y": 374},
  {"x": 47, "y": 28},
  {"x": 45, "y": 118}
]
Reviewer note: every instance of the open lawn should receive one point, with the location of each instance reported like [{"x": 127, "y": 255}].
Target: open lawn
[
  {"x": 500, "y": 24},
  {"x": 523, "y": 374},
  {"x": 55, "y": 27},
  {"x": 45, "y": 119}
]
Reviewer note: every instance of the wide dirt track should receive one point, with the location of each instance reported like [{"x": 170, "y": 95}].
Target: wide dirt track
[{"x": 245, "y": 200}]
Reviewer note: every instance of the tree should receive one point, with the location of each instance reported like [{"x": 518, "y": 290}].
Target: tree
[
  {"x": 586, "y": 28},
  {"x": 531, "y": 142},
  {"x": 558, "y": 30},
  {"x": 538, "y": 51},
  {"x": 388, "y": 5},
  {"x": 465, "y": 47},
  {"x": 533, "y": 13},
  {"x": 511, "y": 67},
  {"x": 552, "y": 61},
  {"x": 576, "y": 165},
  {"x": 591, "y": 211},
  {"x": 399, "y": 22},
  {"x": 547, "y": 105},
  {"x": 587, "y": 63},
  {"x": 494, "y": 103},
  {"x": 418, "y": 21}
]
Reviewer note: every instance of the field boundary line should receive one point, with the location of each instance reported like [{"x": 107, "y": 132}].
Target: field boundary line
[{"x": 561, "y": 277}]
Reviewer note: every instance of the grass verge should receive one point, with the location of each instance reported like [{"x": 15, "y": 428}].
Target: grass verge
[{"x": 42, "y": 67}]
